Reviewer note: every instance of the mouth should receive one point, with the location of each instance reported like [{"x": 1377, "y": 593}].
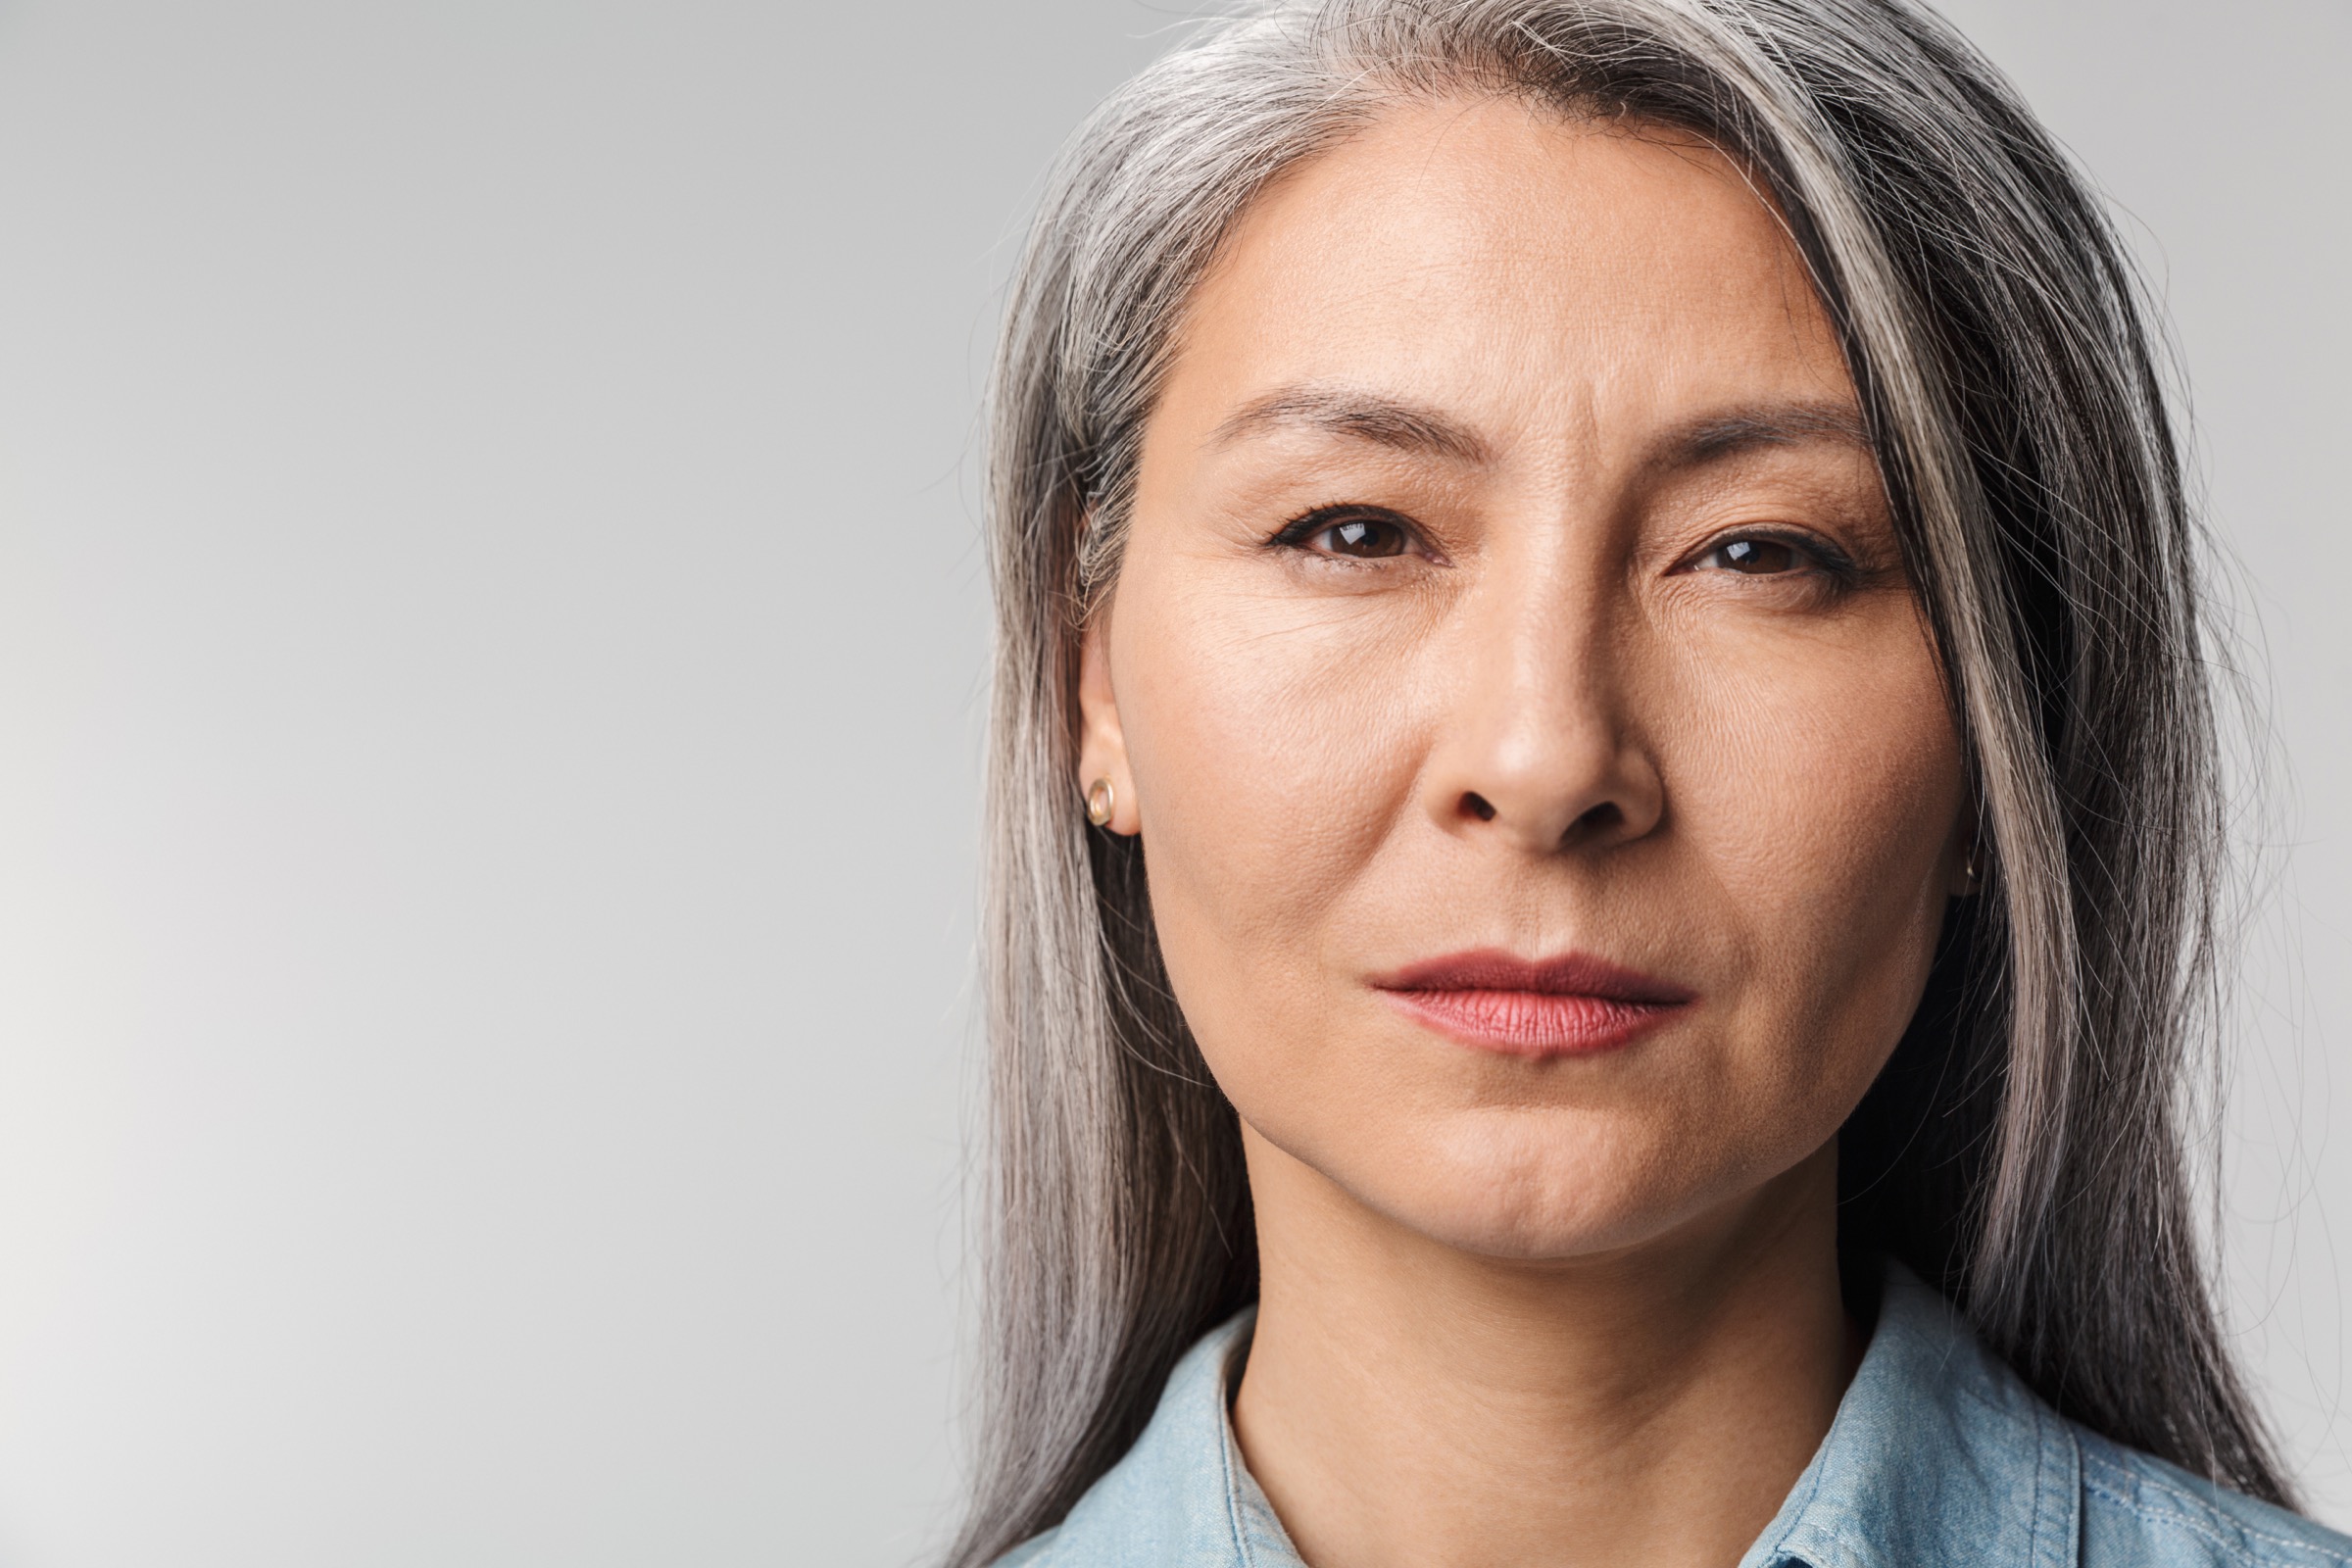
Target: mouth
[{"x": 1571, "y": 1005}]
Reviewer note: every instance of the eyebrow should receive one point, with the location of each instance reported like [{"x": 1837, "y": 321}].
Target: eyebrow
[
  {"x": 1781, "y": 425},
  {"x": 1362, "y": 416}
]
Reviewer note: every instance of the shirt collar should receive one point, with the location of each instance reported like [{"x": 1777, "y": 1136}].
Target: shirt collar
[
  {"x": 1938, "y": 1456},
  {"x": 1181, "y": 1497}
]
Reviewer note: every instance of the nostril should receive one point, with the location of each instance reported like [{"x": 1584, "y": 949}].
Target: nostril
[
  {"x": 1599, "y": 822},
  {"x": 1478, "y": 806}
]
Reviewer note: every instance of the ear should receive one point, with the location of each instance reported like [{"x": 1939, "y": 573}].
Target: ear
[{"x": 1101, "y": 743}]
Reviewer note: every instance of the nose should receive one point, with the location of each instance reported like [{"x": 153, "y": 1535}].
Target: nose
[{"x": 1538, "y": 744}]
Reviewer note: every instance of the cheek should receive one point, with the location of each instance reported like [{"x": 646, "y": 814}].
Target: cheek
[
  {"x": 1271, "y": 755},
  {"x": 1816, "y": 798}
]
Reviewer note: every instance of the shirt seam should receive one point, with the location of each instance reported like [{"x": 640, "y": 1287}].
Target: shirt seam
[
  {"x": 2041, "y": 1460},
  {"x": 2070, "y": 1488},
  {"x": 2154, "y": 1481},
  {"x": 2205, "y": 1524}
]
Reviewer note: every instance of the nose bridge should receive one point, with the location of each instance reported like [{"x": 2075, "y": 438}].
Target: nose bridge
[
  {"x": 1541, "y": 657},
  {"x": 1539, "y": 745}
]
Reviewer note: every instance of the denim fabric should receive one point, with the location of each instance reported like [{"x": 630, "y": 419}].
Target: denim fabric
[{"x": 1940, "y": 1457}]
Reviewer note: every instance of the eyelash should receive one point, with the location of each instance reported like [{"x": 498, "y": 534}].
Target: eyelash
[{"x": 1827, "y": 561}]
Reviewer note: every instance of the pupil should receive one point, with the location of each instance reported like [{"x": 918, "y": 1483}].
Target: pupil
[
  {"x": 1756, "y": 556},
  {"x": 1352, "y": 534}
]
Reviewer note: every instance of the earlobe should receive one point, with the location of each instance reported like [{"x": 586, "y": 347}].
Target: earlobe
[
  {"x": 1967, "y": 875},
  {"x": 1106, "y": 789}
]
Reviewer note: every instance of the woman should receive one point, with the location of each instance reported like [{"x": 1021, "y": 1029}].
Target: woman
[{"x": 1604, "y": 815}]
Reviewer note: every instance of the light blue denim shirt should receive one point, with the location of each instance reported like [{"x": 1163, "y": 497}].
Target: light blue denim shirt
[{"x": 1940, "y": 1457}]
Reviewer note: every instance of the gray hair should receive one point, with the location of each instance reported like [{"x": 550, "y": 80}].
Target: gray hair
[{"x": 2025, "y": 1147}]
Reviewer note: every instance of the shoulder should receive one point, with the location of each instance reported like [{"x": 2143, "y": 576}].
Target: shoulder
[
  {"x": 1180, "y": 1496},
  {"x": 1035, "y": 1553},
  {"x": 2141, "y": 1512}
]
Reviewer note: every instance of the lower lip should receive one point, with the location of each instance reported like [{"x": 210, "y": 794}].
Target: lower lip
[{"x": 1534, "y": 1024}]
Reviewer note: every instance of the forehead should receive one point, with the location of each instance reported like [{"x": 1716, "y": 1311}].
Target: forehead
[{"x": 1530, "y": 272}]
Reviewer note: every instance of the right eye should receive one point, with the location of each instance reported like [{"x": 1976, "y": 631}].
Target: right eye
[{"x": 1351, "y": 536}]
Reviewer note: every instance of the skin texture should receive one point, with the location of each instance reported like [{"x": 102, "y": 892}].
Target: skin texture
[{"x": 1621, "y": 660}]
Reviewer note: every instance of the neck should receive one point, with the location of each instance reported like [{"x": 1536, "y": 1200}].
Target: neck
[{"x": 1409, "y": 1403}]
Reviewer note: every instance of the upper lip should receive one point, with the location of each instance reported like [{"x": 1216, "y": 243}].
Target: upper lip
[{"x": 1569, "y": 974}]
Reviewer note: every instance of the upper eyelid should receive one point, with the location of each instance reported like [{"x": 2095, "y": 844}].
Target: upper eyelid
[
  {"x": 1323, "y": 516},
  {"x": 1825, "y": 552}
]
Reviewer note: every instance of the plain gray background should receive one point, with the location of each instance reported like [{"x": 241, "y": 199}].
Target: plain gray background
[{"x": 491, "y": 644}]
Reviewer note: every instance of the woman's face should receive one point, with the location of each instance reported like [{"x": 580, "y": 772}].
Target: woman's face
[{"x": 1547, "y": 794}]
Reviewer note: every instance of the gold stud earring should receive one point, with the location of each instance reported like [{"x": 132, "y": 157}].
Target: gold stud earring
[
  {"x": 1970, "y": 876},
  {"x": 1098, "y": 802}
]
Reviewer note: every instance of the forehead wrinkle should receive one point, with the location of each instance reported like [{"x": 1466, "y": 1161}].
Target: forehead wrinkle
[{"x": 1383, "y": 421}]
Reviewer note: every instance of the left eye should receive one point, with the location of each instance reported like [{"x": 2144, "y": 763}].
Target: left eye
[{"x": 1755, "y": 558}]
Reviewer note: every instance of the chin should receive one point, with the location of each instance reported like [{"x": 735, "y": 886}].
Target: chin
[{"x": 1531, "y": 1191}]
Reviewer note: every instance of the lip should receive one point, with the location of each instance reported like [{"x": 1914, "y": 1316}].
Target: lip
[{"x": 1573, "y": 1004}]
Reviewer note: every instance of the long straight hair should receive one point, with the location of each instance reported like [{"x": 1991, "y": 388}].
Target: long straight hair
[{"x": 2024, "y": 1149}]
